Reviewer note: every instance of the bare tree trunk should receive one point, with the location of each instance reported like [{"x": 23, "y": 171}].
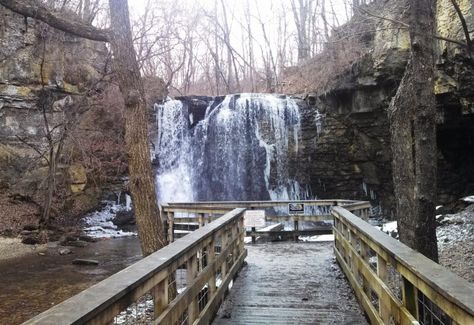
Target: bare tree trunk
[
  {"x": 412, "y": 116},
  {"x": 300, "y": 14},
  {"x": 142, "y": 185}
]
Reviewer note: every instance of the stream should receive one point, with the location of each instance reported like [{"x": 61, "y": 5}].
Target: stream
[{"x": 34, "y": 283}]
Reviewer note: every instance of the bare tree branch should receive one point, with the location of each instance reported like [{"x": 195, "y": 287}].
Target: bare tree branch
[
  {"x": 39, "y": 12},
  {"x": 463, "y": 23}
]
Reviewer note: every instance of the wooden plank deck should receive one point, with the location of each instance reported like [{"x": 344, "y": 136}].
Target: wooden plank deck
[{"x": 290, "y": 283}]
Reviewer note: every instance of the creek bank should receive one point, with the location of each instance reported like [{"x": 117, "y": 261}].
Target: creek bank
[
  {"x": 32, "y": 283},
  {"x": 112, "y": 219}
]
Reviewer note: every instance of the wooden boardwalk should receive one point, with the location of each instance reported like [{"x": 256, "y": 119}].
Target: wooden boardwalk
[{"x": 290, "y": 283}]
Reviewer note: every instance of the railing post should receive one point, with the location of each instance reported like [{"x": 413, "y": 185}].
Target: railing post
[
  {"x": 201, "y": 219},
  {"x": 224, "y": 244},
  {"x": 353, "y": 242},
  {"x": 170, "y": 227},
  {"x": 191, "y": 273},
  {"x": 384, "y": 300},
  {"x": 365, "y": 214},
  {"x": 296, "y": 228},
  {"x": 364, "y": 253},
  {"x": 212, "y": 257},
  {"x": 160, "y": 297},
  {"x": 234, "y": 233},
  {"x": 242, "y": 235}
]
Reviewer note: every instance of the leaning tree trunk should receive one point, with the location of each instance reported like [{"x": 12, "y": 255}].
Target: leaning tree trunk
[
  {"x": 412, "y": 115},
  {"x": 150, "y": 228}
]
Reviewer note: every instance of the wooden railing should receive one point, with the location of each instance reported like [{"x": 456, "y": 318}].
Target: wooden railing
[
  {"x": 210, "y": 258},
  {"x": 205, "y": 212},
  {"x": 395, "y": 284}
]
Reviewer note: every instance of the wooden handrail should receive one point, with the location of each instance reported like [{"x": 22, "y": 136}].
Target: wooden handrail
[
  {"x": 205, "y": 212},
  {"x": 154, "y": 274},
  {"x": 225, "y": 205},
  {"x": 355, "y": 240}
]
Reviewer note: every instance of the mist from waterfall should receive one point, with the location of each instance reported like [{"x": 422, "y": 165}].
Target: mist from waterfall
[{"x": 240, "y": 150}]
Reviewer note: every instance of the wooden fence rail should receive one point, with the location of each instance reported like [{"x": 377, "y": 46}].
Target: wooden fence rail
[
  {"x": 395, "y": 284},
  {"x": 210, "y": 256},
  {"x": 203, "y": 213}
]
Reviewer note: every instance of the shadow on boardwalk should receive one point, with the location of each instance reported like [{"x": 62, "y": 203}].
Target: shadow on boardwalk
[{"x": 290, "y": 283}]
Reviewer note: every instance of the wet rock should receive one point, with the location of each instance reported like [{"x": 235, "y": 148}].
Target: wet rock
[
  {"x": 87, "y": 239},
  {"x": 30, "y": 227},
  {"x": 80, "y": 261},
  {"x": 54, "y": 236},
  {"x": 70, "y": 238},
  {"x": 8, "y": 233},
  {"x": 226, "y": 315},
  {"x": 31, "y": 240},
  {"x": 64, "y": 251},
  {"x": 77, "y": 243},
  {"x": 124, "y": 218}
]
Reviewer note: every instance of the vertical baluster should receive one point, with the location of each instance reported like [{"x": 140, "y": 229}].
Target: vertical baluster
[
  {"x": 224, "y": 243},
  {"x": 191, "y": 273},
  {"x": 211, "y": 259},
  {"x": 234, "y": 235},
  {"x": 170, "y": 227},
  {"x": 364, "y": 253}
]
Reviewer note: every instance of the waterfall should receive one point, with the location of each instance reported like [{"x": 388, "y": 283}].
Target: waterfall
[{"x": 241, "y": 149}]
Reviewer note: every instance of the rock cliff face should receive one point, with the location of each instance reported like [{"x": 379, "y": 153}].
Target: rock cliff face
[
  {"x": 44, "y": 74},
  {"x": 351, "y": 158}
]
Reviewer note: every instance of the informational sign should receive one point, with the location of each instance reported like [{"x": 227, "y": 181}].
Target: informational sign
[
  {"x": 254, "y": 218},
  {"x": 295, "y": 208}
]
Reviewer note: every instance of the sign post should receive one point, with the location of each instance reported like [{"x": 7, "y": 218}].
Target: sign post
[
  {"x": 296, "y": 209},
  {"x": 253, "y": 219}
]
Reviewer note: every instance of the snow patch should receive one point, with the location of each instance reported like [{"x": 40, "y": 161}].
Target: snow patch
[
  {"x": 468, "y": 199},
  {"x": 318, "y": 238},
  {"x": 99, "y": 223}
]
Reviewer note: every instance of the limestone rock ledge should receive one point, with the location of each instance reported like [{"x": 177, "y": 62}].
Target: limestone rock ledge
[{"x": 44, "y": 74}]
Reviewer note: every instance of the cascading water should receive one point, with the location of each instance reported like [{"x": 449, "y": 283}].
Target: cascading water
[{"x": 240, "y": 150}]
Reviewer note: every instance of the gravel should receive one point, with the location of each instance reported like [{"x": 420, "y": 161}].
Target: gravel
[{"x": 12, "y": 247}]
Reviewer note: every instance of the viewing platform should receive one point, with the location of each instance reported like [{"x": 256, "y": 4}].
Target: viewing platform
[{"x": 211, "y": 276}]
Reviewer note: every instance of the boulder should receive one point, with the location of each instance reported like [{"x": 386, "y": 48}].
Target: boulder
[
  {"x": 124, "y": 218},
  {"x": 64, "y": 251}
]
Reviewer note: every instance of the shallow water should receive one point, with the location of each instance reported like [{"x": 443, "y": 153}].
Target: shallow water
[{"x": 33, "y": 283}]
